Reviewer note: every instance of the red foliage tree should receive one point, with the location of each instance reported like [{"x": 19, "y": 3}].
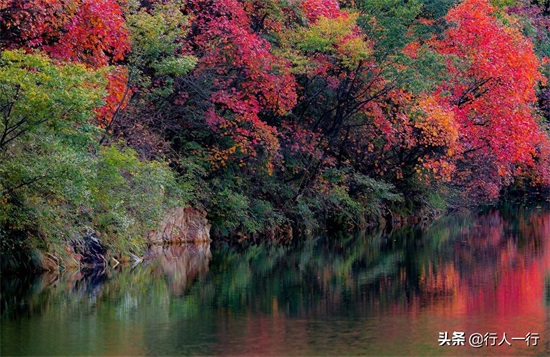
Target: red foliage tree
[
  {"x": 86, "y": 31},
  {"x": 494, "y": 72},
  {"x": 317, "y": 8},
  {"x": 92, "y": 32},
  {"x": 249, "y": 79},
  {"x": 34, "y": 23},
  {"x": 95, "y": 35}
]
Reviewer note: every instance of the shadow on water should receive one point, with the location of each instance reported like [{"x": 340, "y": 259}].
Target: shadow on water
[{"x": 373, "y": 293}]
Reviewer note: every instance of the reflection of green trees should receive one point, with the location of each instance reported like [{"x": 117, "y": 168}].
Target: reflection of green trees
[
  {"x": 98, "y": 311},
  {"x": 298, "y": 278},
  {"x": 371, "y": 267},
  {"x": 547, "y": 290}
]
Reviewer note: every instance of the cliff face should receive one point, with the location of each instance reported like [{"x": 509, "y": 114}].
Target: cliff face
[{"x": 181, "y": 225}]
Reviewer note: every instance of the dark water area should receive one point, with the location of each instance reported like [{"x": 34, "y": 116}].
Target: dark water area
[{"x": 403, "y": 293}]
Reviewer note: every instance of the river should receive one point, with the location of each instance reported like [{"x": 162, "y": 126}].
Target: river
[{"x": 464, "y": 281}]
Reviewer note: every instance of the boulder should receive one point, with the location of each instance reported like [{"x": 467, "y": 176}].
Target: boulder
[
  {"x": 181, "y": 225},
  {"x": 89, "y": 251}
]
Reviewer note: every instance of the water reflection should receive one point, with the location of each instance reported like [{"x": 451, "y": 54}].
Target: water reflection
[
  {"x": 363, "y": 294},
  {"x": 180, "y": 264}
]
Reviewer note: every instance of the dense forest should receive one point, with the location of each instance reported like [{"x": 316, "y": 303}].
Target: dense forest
[{"x": 269, "y": 115}]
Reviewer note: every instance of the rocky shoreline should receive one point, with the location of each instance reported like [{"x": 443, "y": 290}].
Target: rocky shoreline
[{"x": 178, "y": 226}]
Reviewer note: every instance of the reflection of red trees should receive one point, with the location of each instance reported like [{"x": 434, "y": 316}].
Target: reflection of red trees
[{"x": 495, "y": 271}]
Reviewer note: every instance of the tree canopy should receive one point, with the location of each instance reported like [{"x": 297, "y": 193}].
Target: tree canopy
[{"x": 273, "y": 114}]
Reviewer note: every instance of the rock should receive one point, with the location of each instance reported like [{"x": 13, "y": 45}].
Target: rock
[
  {"x": 182, "y": 225},
  {"x": 89, "y": 251},
  {"x": 48, "y": 262}
]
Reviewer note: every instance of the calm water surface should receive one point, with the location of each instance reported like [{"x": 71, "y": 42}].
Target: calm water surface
[{"x": 362, "y": 294}]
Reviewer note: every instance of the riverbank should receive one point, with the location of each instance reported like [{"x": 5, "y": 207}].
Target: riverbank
[
  {"x": 92, "y": 251},
  {"x": 179, "y": 225},
  {"x": 188, "y": 225}
]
